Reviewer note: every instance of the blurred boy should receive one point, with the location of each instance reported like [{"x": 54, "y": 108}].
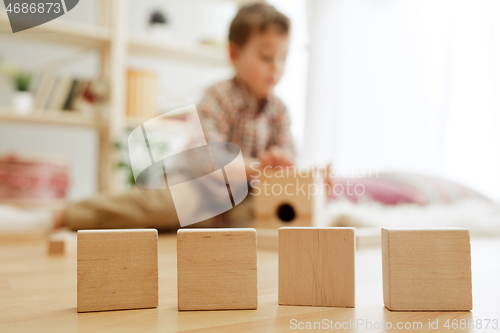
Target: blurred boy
[{"x": 242, "y": 110}]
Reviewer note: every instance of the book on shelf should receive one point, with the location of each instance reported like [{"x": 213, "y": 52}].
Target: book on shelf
[
  {"x": 68, "y": 102},
  {"x": 68, "y": 93},
  {"x": 60, "y": 93},
  {"x": 142, "y": 94},
  {"x": 43, "y": 90}
]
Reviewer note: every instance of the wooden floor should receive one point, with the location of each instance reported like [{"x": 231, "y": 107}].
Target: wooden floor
[{"x": 38, "y": 294}]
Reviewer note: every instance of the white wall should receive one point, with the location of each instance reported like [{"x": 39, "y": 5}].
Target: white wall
[
  {"x": 293, "y": 86},
  {"x": 407, "y": 86}
]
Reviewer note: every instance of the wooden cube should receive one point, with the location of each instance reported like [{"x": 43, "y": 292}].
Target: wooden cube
[
  {"x": 217, "y": 269},
  {"x": 289, "y": 198},
  {"x": 316, "y": 266},
  {"x": 427, "y": 269},
  {"x": 62, "y": 242},
  {"x": 56, "y": 246},
  {"x": 117, "y": 269}
]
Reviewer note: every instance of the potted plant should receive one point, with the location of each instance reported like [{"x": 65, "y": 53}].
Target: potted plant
[{"x": 22, "y": 100}]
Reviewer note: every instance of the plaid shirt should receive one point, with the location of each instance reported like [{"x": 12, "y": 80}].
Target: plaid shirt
[{"x": 230, "y": 113}]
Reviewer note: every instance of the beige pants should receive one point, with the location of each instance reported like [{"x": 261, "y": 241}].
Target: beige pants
[{"x": 142, "y": 208}]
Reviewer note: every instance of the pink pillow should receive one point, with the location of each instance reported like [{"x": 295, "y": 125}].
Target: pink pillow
[{"x": 399, "y": 188}]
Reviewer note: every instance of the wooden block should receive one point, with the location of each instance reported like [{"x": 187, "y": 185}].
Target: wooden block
[
  {"x": 217, "y": 269},
  {"x": 117, "y": 269},
  {"x": 289, "y": 198},
  {"x": 427, "y": 269},
  {"x": 61, "y": 242},
  {"x": 365, "y": 237},
  {"x": 316, "y": 266}
]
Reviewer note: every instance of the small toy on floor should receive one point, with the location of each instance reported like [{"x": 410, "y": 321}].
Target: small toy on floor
[
  {"x": 289, "y": 197},
  {"x": 61, "y": 242}
]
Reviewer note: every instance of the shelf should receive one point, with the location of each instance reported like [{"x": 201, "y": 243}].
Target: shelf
[
  {"x": 61, "y": 32},
  {"x": 150, "y": 46},
  {"x": 49, "y": 117},
  {"x": 132, "y": 122}
]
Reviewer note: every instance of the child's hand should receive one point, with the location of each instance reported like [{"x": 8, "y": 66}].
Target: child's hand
[{"x": 275, "y": 157}]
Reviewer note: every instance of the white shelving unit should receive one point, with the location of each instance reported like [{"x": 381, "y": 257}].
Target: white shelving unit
[
  {"x": 113, "y": 43},
  {"x": 62, "y": 32},
  {"x": 51, "y": 117},
  {"x": 147, "y": 46}
]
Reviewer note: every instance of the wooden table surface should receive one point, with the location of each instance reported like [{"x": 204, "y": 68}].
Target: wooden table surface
[{"x": 38, "y": 294}]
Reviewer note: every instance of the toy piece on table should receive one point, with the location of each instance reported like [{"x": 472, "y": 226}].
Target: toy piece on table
[
  {"x": 289, "y": 197},
  {"x": 427, "y": 269},
  {"x": 316, "y": 266},
  {"x": 117, "y": 269},
  {"x": 217, "y": 269},
  {"x": 61, "y": 242}
]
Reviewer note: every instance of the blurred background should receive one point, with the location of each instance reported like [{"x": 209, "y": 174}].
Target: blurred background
[{"x": 371, "y": 86}]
